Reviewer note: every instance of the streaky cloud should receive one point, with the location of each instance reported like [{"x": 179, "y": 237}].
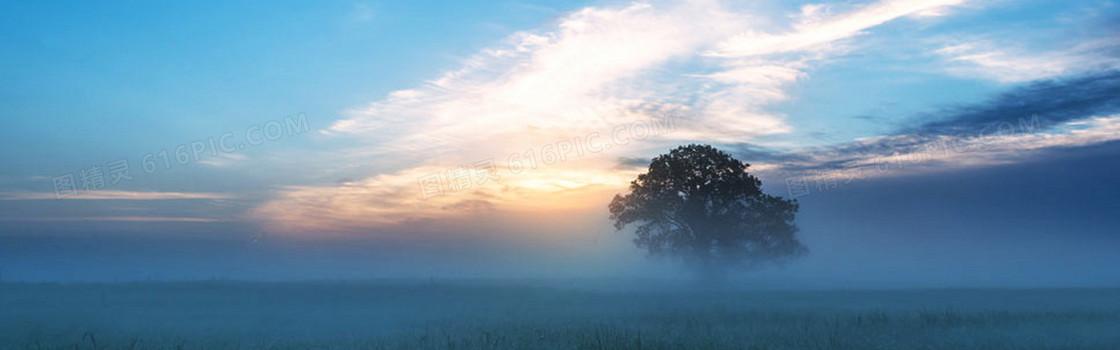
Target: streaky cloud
[
  {"x": 1065, "y": 112},
  {"x": 1054, "y": 101},
  {"x": 112, "y": 195}
]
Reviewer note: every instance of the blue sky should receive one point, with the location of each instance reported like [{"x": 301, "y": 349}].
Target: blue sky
[{"x": 394, "y": 102}]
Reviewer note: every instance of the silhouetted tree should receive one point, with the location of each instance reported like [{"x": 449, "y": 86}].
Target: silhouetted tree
[{"x": 699, "y": 204}]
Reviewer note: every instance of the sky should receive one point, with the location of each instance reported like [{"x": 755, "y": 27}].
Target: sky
[{"x": 929, "y": 142}]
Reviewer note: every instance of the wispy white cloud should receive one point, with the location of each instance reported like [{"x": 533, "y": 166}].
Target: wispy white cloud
[
  {"x": 819, "y": 26},
  {"x": 599, "y": 67},
  {"x": 1006, "y": 63},
  {"x": 223, "y": 160}
]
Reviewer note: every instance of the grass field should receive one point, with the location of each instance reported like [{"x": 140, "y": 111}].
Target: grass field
[{"x": 508, "y": 315}]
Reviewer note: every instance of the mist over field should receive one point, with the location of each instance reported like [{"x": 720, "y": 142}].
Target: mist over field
[
  {"x": 664, "y": 174},
  {"x": 507, "y": 315}
]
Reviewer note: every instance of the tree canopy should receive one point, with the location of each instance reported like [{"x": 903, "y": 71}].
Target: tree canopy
[{"x": 698, "y": 204}]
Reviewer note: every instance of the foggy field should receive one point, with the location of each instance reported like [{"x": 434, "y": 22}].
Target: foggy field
[{"x": 522, "y": 315}]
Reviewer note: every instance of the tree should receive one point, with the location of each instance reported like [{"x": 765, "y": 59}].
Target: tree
[{"x": 699, "y": 204}]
